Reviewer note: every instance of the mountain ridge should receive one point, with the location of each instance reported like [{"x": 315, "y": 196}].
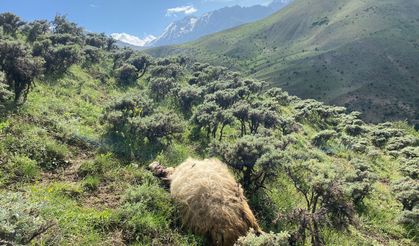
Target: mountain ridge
[
  {"x": 321, "y": 49},
  {"x": 193, "y": 27}
]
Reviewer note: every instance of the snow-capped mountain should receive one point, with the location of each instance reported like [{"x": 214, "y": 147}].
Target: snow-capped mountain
[
  {"x": 191, "y": 27},
  {"x": 126, "y": 39}
]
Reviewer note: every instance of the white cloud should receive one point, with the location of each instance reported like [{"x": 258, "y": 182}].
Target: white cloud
[
  {"x": 187, "y": 10},
  {"x": 133, "y": 40}
]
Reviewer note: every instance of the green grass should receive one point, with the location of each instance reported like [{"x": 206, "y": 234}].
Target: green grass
[{"x": 56, "y": 155}]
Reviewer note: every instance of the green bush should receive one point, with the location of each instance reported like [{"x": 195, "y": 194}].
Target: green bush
[
  {"x": 23, "y": 168},
  {"x": 91, "y": 183},
  {"x": 323, "y": 137},
  {"x": 147, "y": 213},
  {"x": 96, "y": 167},
  {"x": 264, "y": 239},
  {"x": 127, "y": 74},
  {"x": 20, "y": 219},
  {"x": 33, "y": 142},
  {"x": 54, "y": 155}
]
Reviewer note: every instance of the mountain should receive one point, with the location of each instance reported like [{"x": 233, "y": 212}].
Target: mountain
[
  {"x": 360, "y": 54},
  {"x": 191, "y": 27},
  {"x": 130, "y": 41}
]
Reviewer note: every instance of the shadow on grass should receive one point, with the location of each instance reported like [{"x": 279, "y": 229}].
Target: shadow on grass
[{"x": 141, "y": 151}]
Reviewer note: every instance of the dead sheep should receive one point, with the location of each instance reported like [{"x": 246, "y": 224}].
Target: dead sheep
[{"x": 210, "y": 200}]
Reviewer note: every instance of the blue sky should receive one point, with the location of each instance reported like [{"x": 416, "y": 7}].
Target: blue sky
[{"x": 135, "y": 17}]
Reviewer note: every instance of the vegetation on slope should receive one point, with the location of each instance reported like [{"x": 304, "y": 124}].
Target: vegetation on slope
[
  {"x": 359, "y": 54},
  {"x": 74, "y": 144}
]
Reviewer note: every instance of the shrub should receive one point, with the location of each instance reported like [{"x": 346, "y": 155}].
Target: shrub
[
  {"x": 162, "y": 87},
  {"x": 355, "y": 130},
  {"x": 264, "y": 239},
  {"x": 97, "y": 40},
  {"x": 53, "y": 155},
  {"x": 92, "y": 55},
  {"x": 188, "y": 96},
  {"x": 326, "y": 203},
  {"x": 33, "y": 142},
  {"x": 96, "y": 167},
  {"x": 147, "y": 213},
  {"x": 62, "y": 25},
  {"x": 36, "y": 29},
  {"x": 120, "y": 111},
  {"x": 399, "y": 143},
  {"x": 410, "y": 152},
  {"x": 411, "y": 168},
  {"x": 20, "y": 219},
  {"x": 255, "y": 157},
  {"x": 23, "y": 168},
  {"x": 5, "y": 93},
  {"x": 359, "y": 183},
  {"x": 91, "y": 183},
  {"x": 410, "y": 219},
  {"x": 160, "y": 125},
  {"x": 10, "y": 23},
  {"x": 20, "y": 68},
  {"x": 127, "y": 74},
  {"x": 407, "y": 192},
  {"x": 322, "y": 137},
  {"x": 279, "y": 95},
  {"x": 59, "y": 58},
  {"x": 167, "y": 71},
  {"x": 140, "y": 61},
  {"x": 382, "y": 134}
]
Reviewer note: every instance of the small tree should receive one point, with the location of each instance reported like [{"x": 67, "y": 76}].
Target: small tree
[
  {"x": 262, "y": 116},
  {"x": 126, "y": 75},
  {"x": 20, "y": 68},
  {"x": 60, "y": 58},
  {"x": 161, "y": 125},
  {"x": 241, "y": 112},
  {"x": 121, "y": 111},
  {"x": 123, "y": 117},
  {"x": 188, "y": 96},
  {"x": 97, "y": 40},
  {"x": 205, "y": 117},
  {"x": 279, "y": 96},
  {"x": 36, "y": 29},
  {"x": 359, "y": 183},
  {"x": 225, "y": 117},
  {"x": 140, "y": 62},
  {"x": 162, "y": 87},
  {"x": 326, "y": 203},
  {"x": 92, "y": 55},
  {"x": 168, "y": 71},
  {"x": 10, "y": 23},
  {"x": 256, "y": 158},
  {"x": 62, "y": 25},
  {"x": 407, "y": 191},
  {"x": 121, "y": 56}
]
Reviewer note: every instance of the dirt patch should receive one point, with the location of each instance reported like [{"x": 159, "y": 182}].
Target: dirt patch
[
  {"x": 106, "y": 196},
  {"x": 68, "y": 173}
]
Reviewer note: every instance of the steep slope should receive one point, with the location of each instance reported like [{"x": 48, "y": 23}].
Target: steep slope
[
  {"x": 73, "y": 152},
  {"x": 361, "y": 54},
  {"x": 191, "y": 27}
]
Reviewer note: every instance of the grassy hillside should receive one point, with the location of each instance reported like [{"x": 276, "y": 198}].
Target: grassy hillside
[
  {"x": 358, "y": 54},
  {"x": 73, "y": 152}
]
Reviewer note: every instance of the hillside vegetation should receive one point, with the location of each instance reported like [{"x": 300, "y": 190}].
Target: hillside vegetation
[
  {"x": 81, "y": 119},
  {"x": 359, "y": 54}
]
